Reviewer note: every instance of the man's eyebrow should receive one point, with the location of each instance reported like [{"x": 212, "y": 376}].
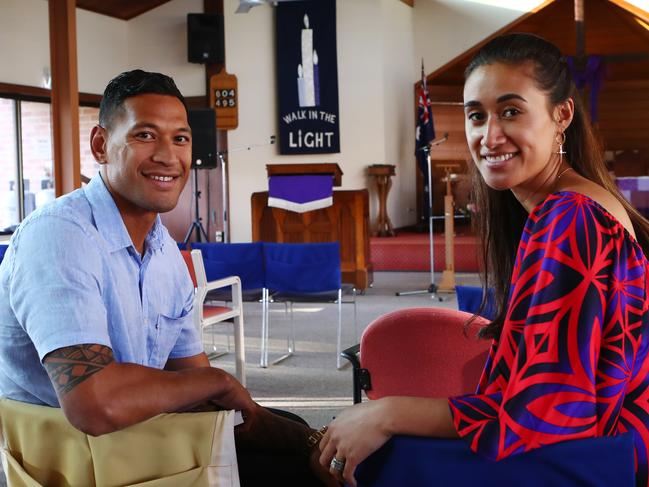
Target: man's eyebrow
[
  {"x": 149, "y": 125},
  {"x": 472, "y": 104}
]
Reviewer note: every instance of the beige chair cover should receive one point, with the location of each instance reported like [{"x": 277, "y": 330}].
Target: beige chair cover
[{"x": 41, "y": 448}]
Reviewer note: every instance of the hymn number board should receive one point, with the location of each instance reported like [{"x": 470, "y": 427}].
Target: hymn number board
[
  {"x": 225, "y": 98},
  {"x": 225, "y": 101}
]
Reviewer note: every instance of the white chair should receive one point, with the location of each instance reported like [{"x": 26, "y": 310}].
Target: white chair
[{"x": 207, "y": 314}]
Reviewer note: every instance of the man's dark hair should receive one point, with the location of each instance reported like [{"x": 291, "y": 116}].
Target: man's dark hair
[{"x": 132, "y": 83}]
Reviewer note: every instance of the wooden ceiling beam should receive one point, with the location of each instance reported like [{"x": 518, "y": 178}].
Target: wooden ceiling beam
[
  {"x": 65, "y": 96},
  {"x": 120, "y": 9},
  {"x": 637, "y": 11}
]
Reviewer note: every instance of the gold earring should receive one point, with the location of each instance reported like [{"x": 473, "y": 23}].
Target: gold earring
[{"x": 561, "y": 140}]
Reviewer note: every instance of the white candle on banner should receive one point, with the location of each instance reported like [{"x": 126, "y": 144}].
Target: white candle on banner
[
  {"x": 307, "y": 63},
  {"x": 301, "y": 89},
  {"x": 316, "y": 78}
]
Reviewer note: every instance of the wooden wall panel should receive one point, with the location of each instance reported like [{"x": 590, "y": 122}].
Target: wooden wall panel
[{"x": 624, "y": 115}]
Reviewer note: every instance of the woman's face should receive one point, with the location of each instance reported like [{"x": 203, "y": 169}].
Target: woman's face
[{"x": 509, "y": 128}]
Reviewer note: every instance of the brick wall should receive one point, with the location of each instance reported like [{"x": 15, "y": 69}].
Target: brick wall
[{"x": 88, "y": 118}]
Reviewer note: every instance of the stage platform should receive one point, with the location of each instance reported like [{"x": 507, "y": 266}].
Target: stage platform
[{"x": 409, "y": 251}]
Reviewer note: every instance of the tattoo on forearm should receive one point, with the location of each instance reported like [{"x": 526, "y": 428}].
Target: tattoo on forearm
[{"x": 70, "y": 366}]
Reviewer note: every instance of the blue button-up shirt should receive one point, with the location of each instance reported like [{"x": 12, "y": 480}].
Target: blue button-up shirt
[{"x": 71, "y": 276}]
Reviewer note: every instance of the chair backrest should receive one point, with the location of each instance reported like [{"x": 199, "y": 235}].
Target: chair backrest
[
  {"x": 302, "y": 268},
  {"x": 470, "y": 297},
  {"x": 181, "y": 245},
  {"x": 190, "y": 265},
  {"x": 42, "y": 448},
  {"x": 234, "y": 259},
  {"x": 423, "y": 352},
  {"x": 3, "y": 249}
]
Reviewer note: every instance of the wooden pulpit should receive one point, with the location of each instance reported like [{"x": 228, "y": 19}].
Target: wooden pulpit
[{"x": 346, "y": 221}]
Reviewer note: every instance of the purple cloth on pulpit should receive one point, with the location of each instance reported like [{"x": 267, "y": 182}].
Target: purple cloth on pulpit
[{"x": 300, "y": 193}]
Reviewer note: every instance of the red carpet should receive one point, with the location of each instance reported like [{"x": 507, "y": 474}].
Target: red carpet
[{"x": 410, "y": 252}]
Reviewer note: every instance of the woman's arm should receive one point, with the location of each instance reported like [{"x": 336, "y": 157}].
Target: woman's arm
[{"x": 362, "y": 429}]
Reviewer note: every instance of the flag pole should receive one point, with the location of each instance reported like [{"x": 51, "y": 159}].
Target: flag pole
[
  {"x": 425, "y": 134},
  {"x": 432, "y": 288}
]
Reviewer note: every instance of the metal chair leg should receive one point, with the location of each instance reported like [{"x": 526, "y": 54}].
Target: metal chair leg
[
  {"x": 263, "y": 361},
  {"x": 340, "y": 325},
  {"x": 240, "y": 350},
  {"x": 214, "y": 354},
  {"x": 290, "y": 339}
]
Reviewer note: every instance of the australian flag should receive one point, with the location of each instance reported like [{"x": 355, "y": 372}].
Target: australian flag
[{"x": 425, "y": 133}]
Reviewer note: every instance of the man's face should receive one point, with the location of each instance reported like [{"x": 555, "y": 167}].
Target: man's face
[{"x": 145, "y": 154}]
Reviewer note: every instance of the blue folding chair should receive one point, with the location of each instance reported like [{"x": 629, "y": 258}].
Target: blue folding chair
[
  {"x": 3, "y": 249},
  {"x": 470, "y": 297},
  {"x": 308, "y": 273},
  {"x": 245, "y": 260}
]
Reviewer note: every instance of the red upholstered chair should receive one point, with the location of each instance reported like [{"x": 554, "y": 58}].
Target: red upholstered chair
[
  {"x": 424, "y": 352},
  {"x": 207, "y": 315},
  {"x": 420, "y": 352}
]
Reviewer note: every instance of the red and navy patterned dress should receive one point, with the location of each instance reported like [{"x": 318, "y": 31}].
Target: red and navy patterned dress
[{"x": 571, "y": 361}]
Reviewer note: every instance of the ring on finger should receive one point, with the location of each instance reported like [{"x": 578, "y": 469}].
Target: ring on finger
[{"x": 338, "y": 465}]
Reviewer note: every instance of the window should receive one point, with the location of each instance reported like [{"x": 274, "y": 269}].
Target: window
[
  {"x": 36, "y": 143},
  {"x": 26, "y": 155},
  {"x": 9, "y": 216},
  {"x": 88, "y": 118}
]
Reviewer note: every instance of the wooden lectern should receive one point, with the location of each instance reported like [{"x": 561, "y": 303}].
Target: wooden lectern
[
  {"x": 346, "y": 222},
  {"x": 447, "y": 284}
]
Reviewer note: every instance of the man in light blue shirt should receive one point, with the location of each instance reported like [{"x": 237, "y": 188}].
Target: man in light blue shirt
[{"x": 96, "y": 300}]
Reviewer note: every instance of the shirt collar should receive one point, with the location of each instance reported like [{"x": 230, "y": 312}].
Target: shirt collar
[{"x": 108, "y": 219}]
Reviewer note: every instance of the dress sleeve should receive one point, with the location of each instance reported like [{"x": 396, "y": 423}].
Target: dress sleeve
[{"x": 564, "y": 355}]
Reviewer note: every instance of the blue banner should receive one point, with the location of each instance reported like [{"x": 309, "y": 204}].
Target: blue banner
[{"x": 307, "y": 77}]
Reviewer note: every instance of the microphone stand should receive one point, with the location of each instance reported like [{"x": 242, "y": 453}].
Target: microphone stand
[
  {"x": 432, "y": 288},
  {"x": 224, "y": 186},
  {"x": 197, "y": 223}
]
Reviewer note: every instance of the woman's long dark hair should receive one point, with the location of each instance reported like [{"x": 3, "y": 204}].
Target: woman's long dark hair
[{"x": 500, "y": 217}]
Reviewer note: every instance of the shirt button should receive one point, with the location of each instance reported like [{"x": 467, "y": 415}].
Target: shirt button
[{"x": 157, "y": 326}]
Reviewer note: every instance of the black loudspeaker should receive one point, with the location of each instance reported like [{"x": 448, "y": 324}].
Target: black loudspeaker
[
  {"x": 203, "y": 125},
  {"x": 205, "y": 38}
]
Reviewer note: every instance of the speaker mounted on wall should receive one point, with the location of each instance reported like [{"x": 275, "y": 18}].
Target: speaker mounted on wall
[
  {"x": 203, "y": 124},
  {"x": 205, "y": 38}
]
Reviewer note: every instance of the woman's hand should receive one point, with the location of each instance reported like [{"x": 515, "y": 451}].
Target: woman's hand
[
  {"x": 355, "y": 434},
  {"x": 322, "y": 473}
]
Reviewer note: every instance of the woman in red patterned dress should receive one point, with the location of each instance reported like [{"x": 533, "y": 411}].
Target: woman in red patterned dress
[{"x": 565, "y": 254}]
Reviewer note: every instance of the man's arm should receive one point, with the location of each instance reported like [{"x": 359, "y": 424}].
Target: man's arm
[
  {"x": 193, "y": 362},
  {"x": 99, "y": 395}
]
